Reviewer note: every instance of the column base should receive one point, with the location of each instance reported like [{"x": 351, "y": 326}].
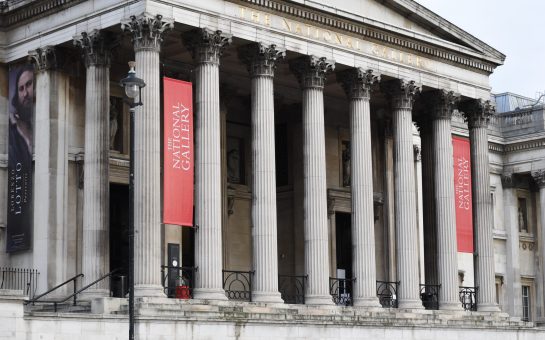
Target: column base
[
  {"x": 148, "y": 291},
  {"x": 410, "y": 304},
  {"x": 209, "y": 294},
  {"x": 454, "y": 306},
  {"x": 319, "y": 300},
  {"x": 367, "y": 302},
  {"x": 492, "y": 307},
  {"x": 267, "y": 297}
]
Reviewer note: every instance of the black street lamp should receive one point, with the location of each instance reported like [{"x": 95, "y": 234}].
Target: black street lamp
[{"x": 133, "y": 89}]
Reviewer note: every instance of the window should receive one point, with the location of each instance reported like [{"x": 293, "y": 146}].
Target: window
[
  {"x": 526, "y": 311},
  {"x": 522, "y": 215}
]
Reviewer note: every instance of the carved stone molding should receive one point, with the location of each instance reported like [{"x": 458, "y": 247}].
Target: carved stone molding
[
  {"x": 401, "y": 92},
  {"x": 44, "y": 58},
  {"x": 96, "y": 46},
  {"x": 206, "y": 45},
  {"x": 311, "y": 71},
  {"x": 539, "y": 178},
  {"x": 417, "y": 149},
  {"x": 261, "y": 59},
  {"x": 441, "y": 103},
  {"x": 477, "y": 112},
  {"x": 357, "y": 82},
  {"x": 508, "y": 180},
  {"x": 147, "y": 30}
]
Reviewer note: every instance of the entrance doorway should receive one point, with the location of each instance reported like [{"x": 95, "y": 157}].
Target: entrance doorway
[
  {"x": 343, "y": 245},
  {"x": 119, "y": 238}
]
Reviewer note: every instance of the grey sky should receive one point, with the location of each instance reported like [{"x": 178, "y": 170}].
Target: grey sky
[{"x": 515, "y": 28}]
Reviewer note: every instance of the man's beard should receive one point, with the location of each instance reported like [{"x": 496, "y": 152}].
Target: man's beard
[{"x": 25, "y": 113}]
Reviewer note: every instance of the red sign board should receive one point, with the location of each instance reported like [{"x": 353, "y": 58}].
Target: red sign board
[
  {"x": 178, "y": 152},
  {"x": 462, "y": 192}
]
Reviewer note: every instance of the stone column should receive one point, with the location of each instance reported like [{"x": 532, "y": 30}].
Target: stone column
[
  {"x": 207, "y": 47},
  {"x": 511, "y": 223},
  {"x": 96, "y": 192},
  {"x": 311, "y": 72},
  {"x": 402, "y": 95},
  {"x": 443, "y": 103},
  {"x": 147, "y": 33},
  {"x": 357, "y": 85},
  {"x": 539, "y": 178},
  {"x": 477, "y": 113},
  {"x": 51, "y": 162},
  {"x": 261, "y": 61}
]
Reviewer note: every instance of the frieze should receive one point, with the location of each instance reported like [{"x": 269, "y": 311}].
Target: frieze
[
  {"x": 32, "y": 11},
  {"x": 353, "y": 30}
]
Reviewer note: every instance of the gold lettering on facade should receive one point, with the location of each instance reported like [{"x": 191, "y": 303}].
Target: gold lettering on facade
[
  {"x": 287, "y": 24},
  {"x": 331, "y": 37}
]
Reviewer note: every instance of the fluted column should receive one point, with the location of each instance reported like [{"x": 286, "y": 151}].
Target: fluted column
[
  {"x": 147, "y": 32},
  {"x": 442, "y": 105},
  {"x": 311, "y": 72},
  {"x": 539, "y": 178},
  {"x": 50, "y": 166},
  {"x": 261, "y": 61},
  {"x": 477, "y": 113},
  {"x": 402, "y": 95},
  {"x": 511, "y": 223},
  {"x": 357, "y": 85},
  {"x": 207, "y": 46},
  {"x": 96, "y": 192}
]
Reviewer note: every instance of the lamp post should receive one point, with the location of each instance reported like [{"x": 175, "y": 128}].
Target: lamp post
[{"x": 133, "y": 89}]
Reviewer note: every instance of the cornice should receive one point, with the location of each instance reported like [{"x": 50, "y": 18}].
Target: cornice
[
  {"x": 349, "y": 26},
  {"x": 33, "y": 10}
]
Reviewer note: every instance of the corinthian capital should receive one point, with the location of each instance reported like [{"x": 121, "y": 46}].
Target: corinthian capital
[
  {"x": 311, "y": 71},
  {"x": 401, "y": 92},
  {"x": 357, "y": 82},
  {"x": 96, "y": 46},
  {"x": 441, "y": 103},
  {"x": 261, "y": 59},
  {"x": 147, "y": 30},
  {"x": 477, "y": 112},
  {"x": 206, "y": 45},
  {"x": 539, "y": 178},
  {"x": 45, "y": 58}
]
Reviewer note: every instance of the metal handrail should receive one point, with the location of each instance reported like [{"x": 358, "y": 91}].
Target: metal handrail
[
  {"x": 297, "y": 283},
  {"x": 76, "y": 292},
  {"x": 171, "y": 291},
  {"x": 387, "y": 293},
  {"x": 341, "y": 290},
  {"x": 468, "y": 297},
  {"x": 429, "y": 294},
  {"x": 36, "y": 298},
  {"x": 24, "y": 279}
]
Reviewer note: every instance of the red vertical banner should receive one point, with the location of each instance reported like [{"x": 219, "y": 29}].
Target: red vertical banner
[
  {"x": 178, "y": 152},
  {"x": 462, "y": 192}
]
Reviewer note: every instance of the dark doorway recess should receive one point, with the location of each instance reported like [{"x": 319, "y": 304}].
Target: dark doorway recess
[
  {"x": 119, "y": 241},
  {"x": 343, "y": 243}
]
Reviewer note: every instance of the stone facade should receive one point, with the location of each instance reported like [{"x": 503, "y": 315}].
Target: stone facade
[{"x": 324, "y": 188}]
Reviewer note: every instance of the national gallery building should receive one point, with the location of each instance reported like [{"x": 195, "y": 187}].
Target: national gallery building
[{"x": 351, "y": 174}]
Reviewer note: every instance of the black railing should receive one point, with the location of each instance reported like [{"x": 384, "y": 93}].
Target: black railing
[
  {"x": 72, "y": 296},
  {"x": 429, "y": 294},
  {"x": 19, "y": 279},
  {"x": 238, "y": 285},
  {"x": 341, "y": 291},
  {"x": 73, "y": 279},
  {"x": 292, "y": 288},
  {"x": 178, "y": 282},
  {"x": 387, "y": 293},
  {"x": 468, "y": 298}
]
